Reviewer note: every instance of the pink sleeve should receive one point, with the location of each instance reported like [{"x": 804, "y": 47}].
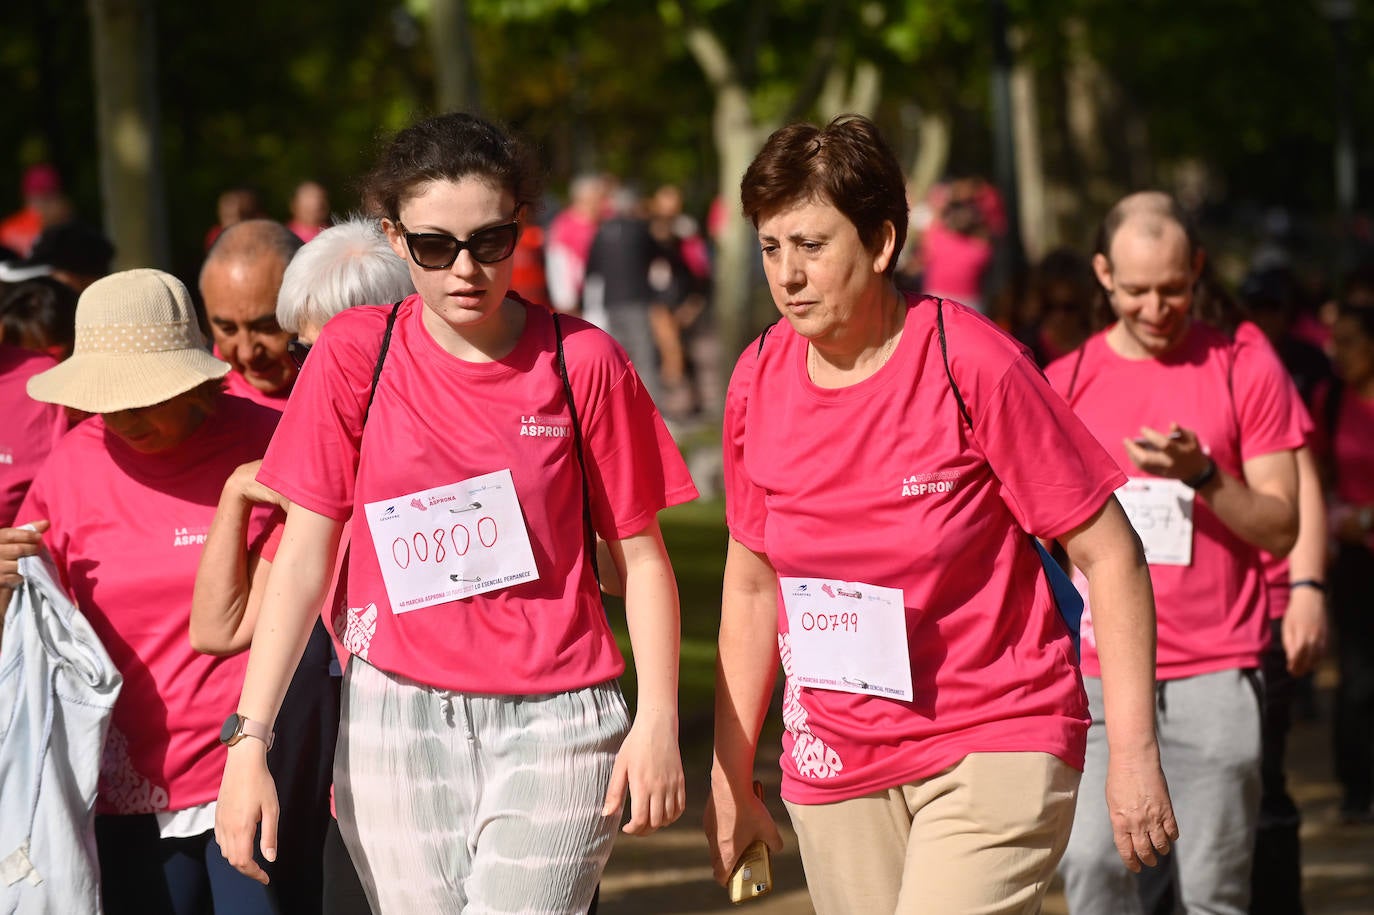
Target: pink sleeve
[
  {"x": 745, "y": 509},
  {"x": 1054, "y": 474},
  {"x": 1265, "y": 399},
  {"x": 37, "y": 507},
  {"x": 633, "y": 463},
  {"x": 313, "y": 457}
]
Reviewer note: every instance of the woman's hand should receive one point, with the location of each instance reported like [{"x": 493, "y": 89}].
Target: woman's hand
[
  {"x": 243, "y": 482},
  {"x": 15, "y": 544},
  {"x": 1143, "y": 824},
  {"x": 247, "y": 796},
  {"x": 649, "y": 764},
  {"x": 734, "y": 819}
]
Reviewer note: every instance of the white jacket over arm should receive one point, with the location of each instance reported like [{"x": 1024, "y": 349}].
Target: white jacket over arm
[{"x": 57, "y": 689}]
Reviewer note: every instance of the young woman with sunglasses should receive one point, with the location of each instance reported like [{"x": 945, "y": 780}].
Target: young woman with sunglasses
[{"x": 485, "y": 750}]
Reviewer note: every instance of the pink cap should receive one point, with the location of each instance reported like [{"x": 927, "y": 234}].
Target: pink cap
[{"x": 41, "y": 179}]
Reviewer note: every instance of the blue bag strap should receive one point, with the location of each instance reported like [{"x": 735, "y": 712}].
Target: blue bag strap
[{"x": 1066, "y": 597}]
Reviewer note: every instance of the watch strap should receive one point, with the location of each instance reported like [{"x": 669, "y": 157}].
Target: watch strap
[
  {"x": 251, "y": 728},
  {"x": 1202, "y": 479}
]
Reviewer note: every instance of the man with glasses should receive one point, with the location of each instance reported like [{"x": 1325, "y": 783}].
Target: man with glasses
[{"x": 239, "y": 282}]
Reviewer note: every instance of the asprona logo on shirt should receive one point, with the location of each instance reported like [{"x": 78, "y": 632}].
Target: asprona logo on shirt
[
  {"x": 929, "y": 484},
  {"x": 6, "y": 457},
  {"x": 190, "y": 536},
  {"x": 545, "y": 426}
]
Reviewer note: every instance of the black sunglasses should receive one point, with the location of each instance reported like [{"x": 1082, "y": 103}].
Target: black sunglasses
[
  {"x": 438, "y": 250},
  {"x": 298, "y": 351}
]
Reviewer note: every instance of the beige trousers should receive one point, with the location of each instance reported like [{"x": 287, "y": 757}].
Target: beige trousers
[{"x": 983, "y": 836}]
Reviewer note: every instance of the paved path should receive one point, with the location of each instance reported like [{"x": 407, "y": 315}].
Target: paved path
[{"x": 667, "y": 873}]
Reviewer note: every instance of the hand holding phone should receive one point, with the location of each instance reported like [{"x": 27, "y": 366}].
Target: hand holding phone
[{"x": 753, "y": 873}]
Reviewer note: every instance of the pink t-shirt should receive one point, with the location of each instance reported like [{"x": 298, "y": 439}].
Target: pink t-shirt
[
  {"x": 29, "y": 431},
  {"x": 1213, "y": 614},
  {"x": 1276, "y": 568},
  {"x": 955, "y": 263},
  {"x": 237, "y": 385},
  {"x": 127, "y": 534},
  {"x": 439, "y": 420},
  {"x": 881, "y": 483}
]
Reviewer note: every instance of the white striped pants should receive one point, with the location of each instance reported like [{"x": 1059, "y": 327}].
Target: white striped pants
[{"x": 474, "y": 803}]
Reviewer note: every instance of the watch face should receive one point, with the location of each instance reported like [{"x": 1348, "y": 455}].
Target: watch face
[{"x": 230, "y": 730}]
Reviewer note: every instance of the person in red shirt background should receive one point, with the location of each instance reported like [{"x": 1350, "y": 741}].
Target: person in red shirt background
[
  {"x": 44, "y": 205},
  {"x": 309, "y": 210},
  {"x": 1345, "y": 411}
]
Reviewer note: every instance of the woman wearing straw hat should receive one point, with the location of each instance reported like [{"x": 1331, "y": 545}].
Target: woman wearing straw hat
[{"x": 123, "y": 504}]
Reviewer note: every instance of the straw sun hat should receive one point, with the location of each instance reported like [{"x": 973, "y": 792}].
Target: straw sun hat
[{"x": 137, "y": 344}]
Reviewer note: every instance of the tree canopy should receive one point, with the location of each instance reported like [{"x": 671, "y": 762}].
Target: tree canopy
[{"x": 269, "y": 94}]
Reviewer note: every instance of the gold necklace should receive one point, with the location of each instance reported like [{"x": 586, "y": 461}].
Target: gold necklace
[{"x": 885, "y": 351}]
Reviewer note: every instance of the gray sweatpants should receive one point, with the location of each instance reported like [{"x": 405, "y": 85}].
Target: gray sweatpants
[
  {"x": 1209, "y": 743},
  {"x": 473, "y": 803}
]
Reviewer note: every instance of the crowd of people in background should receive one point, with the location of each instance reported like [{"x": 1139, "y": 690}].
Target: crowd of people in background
[{"x": 1234, "y": 425}]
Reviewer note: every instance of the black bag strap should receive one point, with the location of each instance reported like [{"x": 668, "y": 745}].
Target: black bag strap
[
  {"x": 944, "y": 354},
  {"x": 381, "y": 357},
  {"x": 588, "y": 530},
  {"x": 764, "y": 336},
  {"x": 1077, "y": 365}
]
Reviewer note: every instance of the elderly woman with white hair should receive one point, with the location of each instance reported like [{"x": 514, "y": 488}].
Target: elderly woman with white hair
[
  {"x": 346, "y": 265},
  {"x": 122, "y": 505}
]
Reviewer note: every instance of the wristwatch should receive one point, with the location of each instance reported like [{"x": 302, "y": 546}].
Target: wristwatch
[
  {"x": 1202, "y": 479},
  {"x": 236, "y": 727}
]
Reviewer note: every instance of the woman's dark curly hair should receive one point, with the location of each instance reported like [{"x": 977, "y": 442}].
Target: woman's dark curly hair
[{"x": 450, "y": 147}]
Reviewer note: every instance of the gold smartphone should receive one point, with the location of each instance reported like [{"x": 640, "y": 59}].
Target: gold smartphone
[{"x": 753, "y": 875}]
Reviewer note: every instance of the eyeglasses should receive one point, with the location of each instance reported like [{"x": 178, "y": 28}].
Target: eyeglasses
[
  {"x": 438, "y": 250},
  {"x": 298, "y": 351}
]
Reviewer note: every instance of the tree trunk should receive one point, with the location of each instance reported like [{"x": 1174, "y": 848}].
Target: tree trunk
[
  {"x": 455, "y": 66},
  {"x": 737, "y": 140},
  {"x": 128, "y": 127},
  {"x": 932, "y": 154},
  {"x": 1036, "y": 226}
]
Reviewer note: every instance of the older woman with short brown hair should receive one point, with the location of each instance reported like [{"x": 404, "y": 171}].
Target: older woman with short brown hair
[{"x": 887, "y": 458}]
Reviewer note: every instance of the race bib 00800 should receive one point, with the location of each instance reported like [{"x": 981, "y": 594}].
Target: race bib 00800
[{"x": 451, "y": 541}]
